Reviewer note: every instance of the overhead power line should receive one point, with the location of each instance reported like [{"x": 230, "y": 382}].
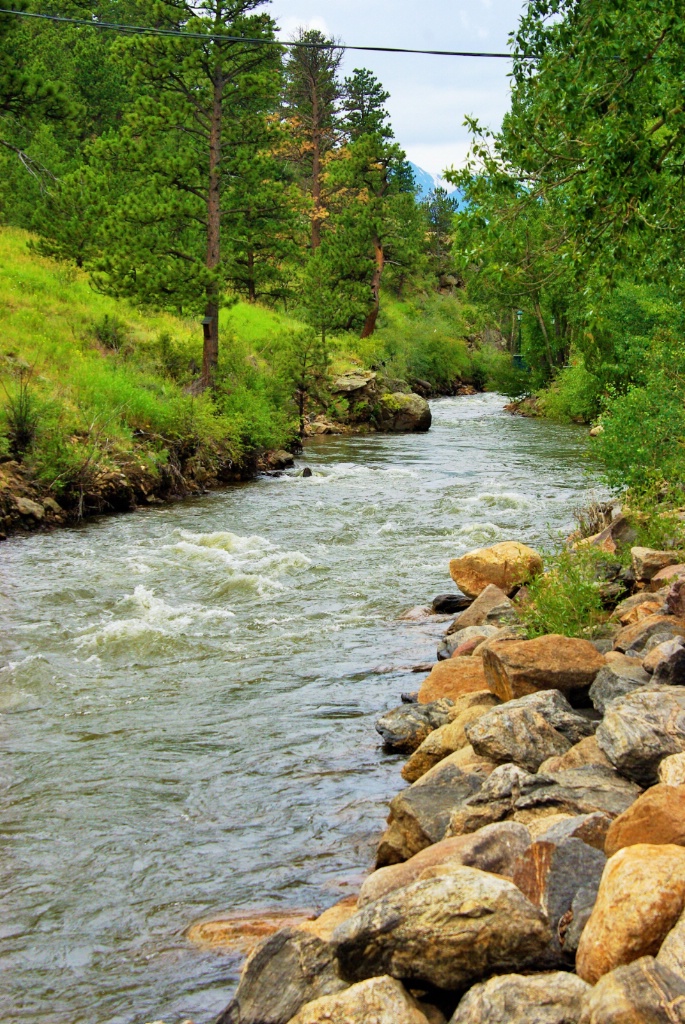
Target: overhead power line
[{"x": 220, "y": 37}]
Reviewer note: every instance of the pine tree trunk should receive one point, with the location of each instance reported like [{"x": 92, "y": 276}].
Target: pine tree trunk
[
  {"x": 379, "y": 257},
  {"x": 210, "y": 352}
]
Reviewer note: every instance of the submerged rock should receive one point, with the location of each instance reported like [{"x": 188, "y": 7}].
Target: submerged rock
[
  {"x": 507, "y": 565},
  {"x": 449, "y": 931}
]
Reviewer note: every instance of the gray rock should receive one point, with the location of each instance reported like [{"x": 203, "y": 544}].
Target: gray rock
[
  {"x": 671, "y": 669},
  {"x": 490, "y": 605},
  {"x": 591, "y": 828},
  {"x": 421, "y": 814},
  {"x": 528, "y": 730},
  {"x": 551, "y": 874},
  {"x": 406, "y": 727},
  {"x": 641, "y": 729},
  {"x": 449, "y": 931},
  {"x": 450, "y": 604},
  {"x": 616, "y": 679},
  {"x": 400, "y": 413},
  {"x": 644, "y": 992},
  {"x": 550, "y": 998},
  {"x": 283, "y": 973},
  {"x": 449, "y": 644},
  {"x": 570, "y": 928},
  {"x": 494, "y": 801},
  {"x": 578, "y": 791}
]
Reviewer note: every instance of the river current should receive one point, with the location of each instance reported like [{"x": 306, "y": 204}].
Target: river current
[{"x": 188, "y": 693}]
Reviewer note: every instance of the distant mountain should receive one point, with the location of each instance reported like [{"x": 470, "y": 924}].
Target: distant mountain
[{"x": 426, "y": 182}]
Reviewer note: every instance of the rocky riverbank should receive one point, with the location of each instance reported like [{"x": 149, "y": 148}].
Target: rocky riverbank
[{"x": 534, "y": 868}]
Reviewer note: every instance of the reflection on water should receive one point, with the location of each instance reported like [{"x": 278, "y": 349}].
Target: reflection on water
[{"x": 187, "y": 697}]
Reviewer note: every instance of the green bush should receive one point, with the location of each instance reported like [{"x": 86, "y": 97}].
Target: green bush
[
  {"x": 574, "y": 394},
  {"x": 566, "y": 599}
]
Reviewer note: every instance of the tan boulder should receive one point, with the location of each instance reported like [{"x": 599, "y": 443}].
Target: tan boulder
[
  {"x": 647, "y": 562},
  {"x": 666, "y": 576},
  {"x": 672, "y": 770},
  {"x": 505, "y": 565},
  {"x": 514, "y": 668},
  {"x": 635, "y": 637},
  {"x": 445, "y": 740},
  {"x": 489, "y": 605},
  {"x": 452, "y": 678},
  {"x": 641, "y": 896},
  {"x": 382, "y": 1000},
  {"x": 325, "y": 924},
  {"x": 637, "y": 607},
  {"x": 551, "y": 998},
  {"x": 657, "y": 817},
  {"x": 644, "y": 992},
  {"x": 465, "y": 758},
  {"x": 585, "y": 752}
]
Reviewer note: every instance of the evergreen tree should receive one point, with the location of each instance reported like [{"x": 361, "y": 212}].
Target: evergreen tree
[
  {"x": 439, "y": 210},
  {"x": 363, "y": 103}
]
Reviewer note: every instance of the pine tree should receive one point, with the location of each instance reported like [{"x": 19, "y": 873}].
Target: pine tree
[{"x": 439, "y": 209}]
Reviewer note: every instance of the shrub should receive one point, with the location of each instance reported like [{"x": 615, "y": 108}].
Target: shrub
[
  {"x": 111, "y": 332},
  {"x": 21, "y": 416},
  {"x": 566, "y": 598},
  {"x": 574, "y": 394}
]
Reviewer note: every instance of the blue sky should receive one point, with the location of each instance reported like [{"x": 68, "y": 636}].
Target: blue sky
[{"x": 429, "y": 95}]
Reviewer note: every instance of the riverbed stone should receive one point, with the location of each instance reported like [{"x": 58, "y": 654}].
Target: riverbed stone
[
  {"x": 662, "y": 651},
  {"x": 575, "y": 791},
  {"x": 491, "y": 604},
  {"x": 636, "y": 636},
  {"x": 420, "y": 814},
  {"x": 664, "y": 577},
  {"x": 506, "y": 565},
  {"x": 514, "y": 668},
  {"x": 401, "y": 413},
  {"x": 672, "y": 770},
  {"x": 619, "y": 677},
  {"x": 528, "y": 730},
  {"x": 494, "y": 848},
  {"x": 591, "y": 828},
  {"x": 638, "y": 731},
  {"x": 382, "y": 1000},
  {"x": 554, "y": 997},
  {"x": 450, "y": 604},
  {"x": 637, "y": 606},
  {"x": 452, "y": 678},
  {"x": 453, "y": 641},
  {"x": 643, "y": 992},
  {"x": 641, "y": 896},
  {"x": 672, "y": 951},
  {"x": 647, "y": 562},
  {"x": 445, "y": 740},
  {"x": 657, "y": 817},
  {"x": 29, "y": 509},
  {"x": 407, "y": 726},
  {"x": 450, "y": 931},
  {"x": 586, "y": 751},
  {"x": 495, "y": 800},
  {"x": 284, "y": 972}
]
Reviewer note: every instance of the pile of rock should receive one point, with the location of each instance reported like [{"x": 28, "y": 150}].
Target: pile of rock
[{"x": 534, "y": 868}]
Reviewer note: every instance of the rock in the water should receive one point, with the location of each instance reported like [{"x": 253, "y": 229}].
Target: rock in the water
[
  {"x": 585, "y": 752},
  {"x": 528, "y": 730},
  {"x": 591, "y": 828},
  {"x": 490, "y": 605},
  {"x": 641, "y": 729},
  {"x": 448, "y": 738},
  {"x": 505, "y": 565},
  {"x": 657, "y": 817},
  {"x": 617, "y": 678},
  {"x": 450, "y": 604},
  {"x": 644, "y": 992},
  {"x": 514, "y": 668},
  {"x": 381, "y": 1000},
  {"x": 494, "y": 848},
  {"x": 420, "y": 814},
  {"x": 576, "y": 791},
  {"x": 672, "y": 770},
  {"x": 551, "y": 998},
  {"x": 452, "y": 678},
  {"x": 647, "y": 562},
  {"x": 641, "y": 896},
  {"x": 406, "y": 727},
  {"x": 450, "y": 643},
  {"x": 449, "y": 931},
  {"x": 551, "y": 874},
  {"x": 636, "y": 637},
  {"x": 283, "y": 973},
  {"x": 241, "y": 932},
  {"x": 400, "y": 413}
]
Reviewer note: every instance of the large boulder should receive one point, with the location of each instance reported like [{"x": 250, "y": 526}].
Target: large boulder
[
  {"x": 493, "y": 848},
  {"x": 617, "y": 678},
  {"x": 641, "y": 896},
  {"x": 551, "y": 874},
  {"x": 420, "y": 814},
  {"x": 448, "y": 738},
  {"x": 528, "y": 730},
  {"x": 575, "y": 791},
  {"x": 636, "y": 637},
  {"x": 638, "y": 731},
  {"x": 551, "y": 998},
  {"x": 400, "y": 413},
  {"x": 452, "y": 678},
  {"x": 283, "y": 973},
  {"x": 506, "y": 565},
  {"x": 644, "y": 992},
  {"x": 449, "y": 931},
  {"x": 406, "y": 727},
  {"x": 382, "y": 1000},
  {"x": 514, "y": 668},
  {"x": 586, "y": 751},
  {"x": 657, "y": 817},
  {"x": 647, "y": 562},
  {"x": 495, "y": 800},
  {"x": 491, "y": 605}
]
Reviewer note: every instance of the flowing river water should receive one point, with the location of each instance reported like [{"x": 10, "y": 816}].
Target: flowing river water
[{"x": 188, "y": 694}]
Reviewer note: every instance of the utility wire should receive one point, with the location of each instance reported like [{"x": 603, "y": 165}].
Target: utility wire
[{"x": 218, "y": 37}]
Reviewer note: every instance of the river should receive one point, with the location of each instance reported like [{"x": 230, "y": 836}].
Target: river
[{"x": 188, "y": 692}]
